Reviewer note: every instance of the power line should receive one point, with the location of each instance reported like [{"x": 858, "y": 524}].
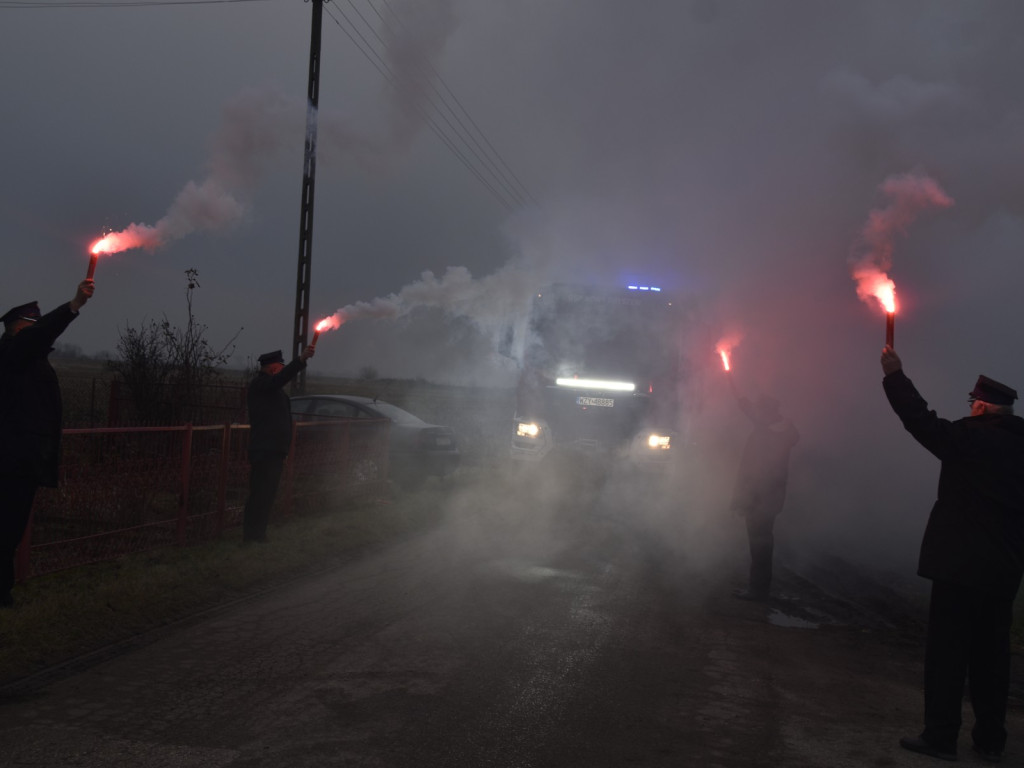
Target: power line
[
  {"x": 374, "y": 57},
  {"x": 476, "y": 157},
  {"x": 40, "y": 4},
  {"x": 521, "y": 187},
  {"x": 468, "y": 143}
]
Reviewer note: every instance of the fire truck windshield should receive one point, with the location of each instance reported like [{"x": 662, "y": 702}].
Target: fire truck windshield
[{"x": 591, "y": 334}]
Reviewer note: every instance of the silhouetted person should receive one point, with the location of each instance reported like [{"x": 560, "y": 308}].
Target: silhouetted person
[
  {"x": 761, "y": 487},
  {"x": 973, "y": 552},
  {"x": 31, "y": 418},
  {"x": 533, "y": 379},
  {"x": 270, "y": 437}
]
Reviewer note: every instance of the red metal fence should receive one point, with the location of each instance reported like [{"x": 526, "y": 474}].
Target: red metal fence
[{"x": 125, "y": 490}]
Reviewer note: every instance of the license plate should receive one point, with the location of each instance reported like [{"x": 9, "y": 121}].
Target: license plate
[
  {"x": 603, "y": 402},
  {"x": 443, "y": 442}
]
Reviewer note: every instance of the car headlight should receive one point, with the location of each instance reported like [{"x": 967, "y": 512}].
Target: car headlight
[
  {"x": 659, "y": 442},
  {"x": 527, "y": 429}
]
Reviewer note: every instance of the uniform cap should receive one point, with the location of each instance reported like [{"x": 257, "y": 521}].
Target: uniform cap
[
  {"x": 991, "y": 391},
  {"x": 271, "y": 357},
  {"x": 28, "y": 311}
]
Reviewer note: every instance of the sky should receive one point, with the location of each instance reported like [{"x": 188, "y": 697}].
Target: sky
[{"x": 736, "y": 153}]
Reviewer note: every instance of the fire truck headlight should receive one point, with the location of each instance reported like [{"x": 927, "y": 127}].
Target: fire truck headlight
[
  {"x": 659, "y": 442},
  {"x": 527, "y": 429}
]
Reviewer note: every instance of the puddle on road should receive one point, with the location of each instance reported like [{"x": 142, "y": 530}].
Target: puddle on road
[
  {"x": 780, "y": 619},
  {"x": 525, "y": 570}
]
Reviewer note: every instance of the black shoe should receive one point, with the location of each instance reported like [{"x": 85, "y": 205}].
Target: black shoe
[
  {"x": 988, "y": 755},
  {"x": 919, "y": 745}
]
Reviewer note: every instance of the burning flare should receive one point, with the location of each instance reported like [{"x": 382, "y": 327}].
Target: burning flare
[
  {"x": 331, "y": 323},
  {"x": 136, "y": 236},
  {"x": 910, "y": 194},
  {"x": 724, "y": 349},
  {"x": 874, "y": 283},
  {"x": 327, "y": 324}
]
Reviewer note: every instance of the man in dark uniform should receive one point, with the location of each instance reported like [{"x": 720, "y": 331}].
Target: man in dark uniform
[
  {"x": 31, "y": 418},
  {"x": 973, "y": 552},
  {"x": 270, "y": 437},
  {"x": 761, "y": 487}
]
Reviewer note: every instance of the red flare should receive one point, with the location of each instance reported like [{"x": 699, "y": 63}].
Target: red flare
[
  {"x": 327, "y": 324},
  {"x": 724, "y": 349}
]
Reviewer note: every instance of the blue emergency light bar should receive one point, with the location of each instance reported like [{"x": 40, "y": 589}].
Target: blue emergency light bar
[{"x": 644, "y": 288}]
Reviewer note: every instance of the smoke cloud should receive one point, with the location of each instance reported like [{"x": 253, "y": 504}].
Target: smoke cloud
[
  {"x": 910, "y": 195},
  {"x": 259, "y": 122},
  {"x": 487, "y": 302}
]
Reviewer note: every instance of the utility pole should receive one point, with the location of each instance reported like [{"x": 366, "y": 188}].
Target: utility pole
[{"x": 308, "y": 183}]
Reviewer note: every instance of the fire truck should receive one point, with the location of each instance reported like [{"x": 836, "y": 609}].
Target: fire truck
[{"x": 601, "y": 372}]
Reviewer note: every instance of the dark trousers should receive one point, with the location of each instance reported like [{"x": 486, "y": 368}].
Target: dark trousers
[
  {"x": 16, "y": 496},
  {"x": 761, "y": 537},
  {"x": 968, "y": 639},
  {"x": 264, "y": 478}
]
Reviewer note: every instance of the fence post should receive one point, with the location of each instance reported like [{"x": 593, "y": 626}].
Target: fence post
[
  {"x": 243, "y": 405},
  {"x": 186, "y": 473},
  {"x": 92, "y": 404},
  {"x": 114, "y": 406},
  {"x": 222, "y": 491}
]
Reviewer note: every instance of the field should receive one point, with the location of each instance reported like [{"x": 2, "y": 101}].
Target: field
[{"x": 481, "y": 417}]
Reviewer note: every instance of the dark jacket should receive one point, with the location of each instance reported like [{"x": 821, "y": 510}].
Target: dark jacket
[
  {"x": 764, "y": 469},
  {"x": 975, "y": 533},
  {"x": 270, "y": 413},
  {"x": 31, "y": 415}
]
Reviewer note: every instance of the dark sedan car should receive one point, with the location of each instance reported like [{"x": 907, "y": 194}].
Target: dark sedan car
[{"x": 416, "y": 449}]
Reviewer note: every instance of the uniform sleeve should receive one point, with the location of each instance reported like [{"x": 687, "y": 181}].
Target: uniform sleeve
[
  {"x": 37, "y": 339},
  {"x": 279, "y": 379},
  {"x": 939, "y": 436}
]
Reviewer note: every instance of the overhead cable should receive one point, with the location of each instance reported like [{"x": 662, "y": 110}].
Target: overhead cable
[{"x": 455, "y": 136}]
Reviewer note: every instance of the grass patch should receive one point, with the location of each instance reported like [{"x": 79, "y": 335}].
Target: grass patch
[{"x": 61, "y": 616}]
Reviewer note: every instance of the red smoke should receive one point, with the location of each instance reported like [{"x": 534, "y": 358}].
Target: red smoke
[
  {"x": 197, "y": 206},
  {"x": 910, "y": 195},
  {"x": 331, "y": 323},
  {"x": 136, "y": 236}
]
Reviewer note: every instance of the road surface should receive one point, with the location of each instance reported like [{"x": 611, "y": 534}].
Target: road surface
[{"x": 528, "y": 631}]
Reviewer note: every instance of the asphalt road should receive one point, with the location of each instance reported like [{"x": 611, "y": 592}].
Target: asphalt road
[{"x": 531, "y": 630}]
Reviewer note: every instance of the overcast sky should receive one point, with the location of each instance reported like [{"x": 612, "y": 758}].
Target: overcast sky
[{"x": 730, "y": 151}]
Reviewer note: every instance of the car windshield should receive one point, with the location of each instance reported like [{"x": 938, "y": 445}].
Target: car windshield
[{"x": 397, "y": 415}]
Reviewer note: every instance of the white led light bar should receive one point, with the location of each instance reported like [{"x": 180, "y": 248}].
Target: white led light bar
[{"x": 603, "y": 384}]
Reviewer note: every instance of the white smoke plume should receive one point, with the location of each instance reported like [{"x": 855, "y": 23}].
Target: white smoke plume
[
  {"x": 488, "y": 302},
  {"x": 259, "y": 122}
]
